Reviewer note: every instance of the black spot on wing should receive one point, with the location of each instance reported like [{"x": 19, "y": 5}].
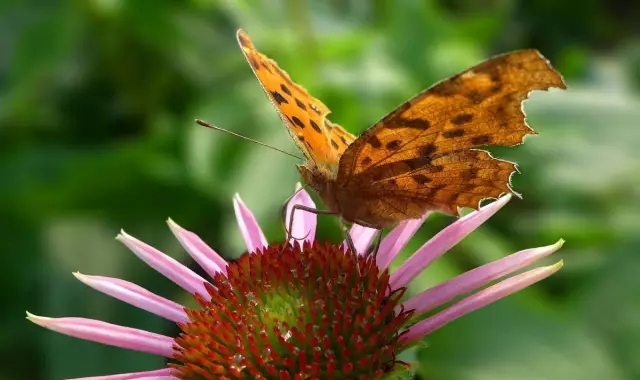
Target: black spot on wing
[
  {"x": 453, "y": 133},
  {"x": 279, "y": 98},
  {"x": 420, "y": 179},
  {"x": 300, "y": 105},
  {"x": 266, "y": 67},
  {"x": 393, "y": 144},
  {"x": 463, "y": 118},
  {"x": 315, "y": 126},
  {"x": 297, "y": 121},
  {"x": 481, "y": 140},
  {"x": 427, "y": 150},
  {"x": 375, "y": 142},
  {"x": 402, "y": 122},
  {"x": 285, "y": 89}
]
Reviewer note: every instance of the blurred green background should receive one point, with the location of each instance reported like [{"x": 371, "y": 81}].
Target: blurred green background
[{"x": 97, "y": 101}]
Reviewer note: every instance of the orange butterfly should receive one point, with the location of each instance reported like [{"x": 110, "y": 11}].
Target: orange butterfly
[{"x": 421, "y": 156}]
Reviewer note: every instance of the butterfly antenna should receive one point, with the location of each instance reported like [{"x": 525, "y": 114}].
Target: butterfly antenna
[{"x": 211, "y": 126}]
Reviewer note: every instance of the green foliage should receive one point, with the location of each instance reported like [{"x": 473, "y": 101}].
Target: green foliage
[{"x": 97, "y": 101}]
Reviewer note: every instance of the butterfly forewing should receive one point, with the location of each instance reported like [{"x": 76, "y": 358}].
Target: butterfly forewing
[
  {"x": 421, "y": 155},
  {"x": 321, "y": 141},
  {"x": 339, "y": 138}
]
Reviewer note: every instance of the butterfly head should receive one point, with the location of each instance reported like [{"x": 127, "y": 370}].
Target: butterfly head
[
  {"x": 322, "y": 180},
  {"x": 313, "y": 176}
]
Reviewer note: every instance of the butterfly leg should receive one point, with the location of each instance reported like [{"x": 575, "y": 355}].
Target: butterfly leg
[
  {"x": 283, "y": 214},
  {"x": 374, "y": 251},
  {"x": 294, "y": 208},
  {"x": 347, "y": 236},
  {"x": 316, "y": 211},
  {"x": 376, "y": 247}
]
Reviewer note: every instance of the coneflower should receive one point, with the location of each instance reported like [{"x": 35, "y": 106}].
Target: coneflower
[{"x": 305, "y": 310}]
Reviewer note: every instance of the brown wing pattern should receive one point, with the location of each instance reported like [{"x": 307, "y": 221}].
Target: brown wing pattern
[
  {"x": 459, "y": 179},
  {"x": 303, "y": 115},
  {"x": 421, "y": 155}
]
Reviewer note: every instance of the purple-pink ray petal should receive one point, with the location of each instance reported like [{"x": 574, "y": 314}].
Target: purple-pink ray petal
[
  {"x": 207, "y": 258},
  {"x": 361, "y": 237},
  {"x": 135, "y": 295},
  {"x": 159, "y": 378},
  {"x": 249, "y": 228},
  {"x": 304, "y": 223},
  {"x": 131, "y": 376},
  {"x": 476, "y": 278},
  {"x": 443, "y": 241},
  {"x": 477, "y": 301},
  {"x": 107, "y": 333},
  {"x": 167, "y": 266},
  {"x": 397, "y": 239}
]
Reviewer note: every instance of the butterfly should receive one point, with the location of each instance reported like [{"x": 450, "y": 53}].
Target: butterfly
[{"x": 422, "y": 156}]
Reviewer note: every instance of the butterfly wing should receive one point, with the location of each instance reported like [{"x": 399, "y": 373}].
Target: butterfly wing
[
  {"x": 421, "y": 156},
  {"x": 321, "y": 141},
  {"x": 339, "y": 138}
]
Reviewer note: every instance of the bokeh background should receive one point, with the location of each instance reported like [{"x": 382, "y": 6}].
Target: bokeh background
[{"x": 97, "y": 101}]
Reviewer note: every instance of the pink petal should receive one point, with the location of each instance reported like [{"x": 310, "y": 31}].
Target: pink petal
[
  {"x": 442, "y": 242},
  {"x": 168, "y": 267},
  {"x": 107, "y": 333},
  {"x": 361, "y": 237},
  {"x": 396, "y": 239},
  {"x": 135, "y": 295},
  {"x": 477, "y": 278},
  {"x": 478, "y": 300},
  {"x": 207, "y": 258},
  {"x": 158, "y": 373},
  {"x": 304, "y": 224},
  {"x": 249, "y": 228}
]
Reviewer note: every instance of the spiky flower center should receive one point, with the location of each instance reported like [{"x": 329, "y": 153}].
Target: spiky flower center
[{"x": 293, "y": 313}]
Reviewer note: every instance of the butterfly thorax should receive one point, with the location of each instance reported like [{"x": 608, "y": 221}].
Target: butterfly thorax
[{"x": 322, "y": 180}]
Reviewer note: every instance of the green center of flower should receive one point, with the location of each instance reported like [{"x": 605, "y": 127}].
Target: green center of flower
[{"x": 293, "y": 313}]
